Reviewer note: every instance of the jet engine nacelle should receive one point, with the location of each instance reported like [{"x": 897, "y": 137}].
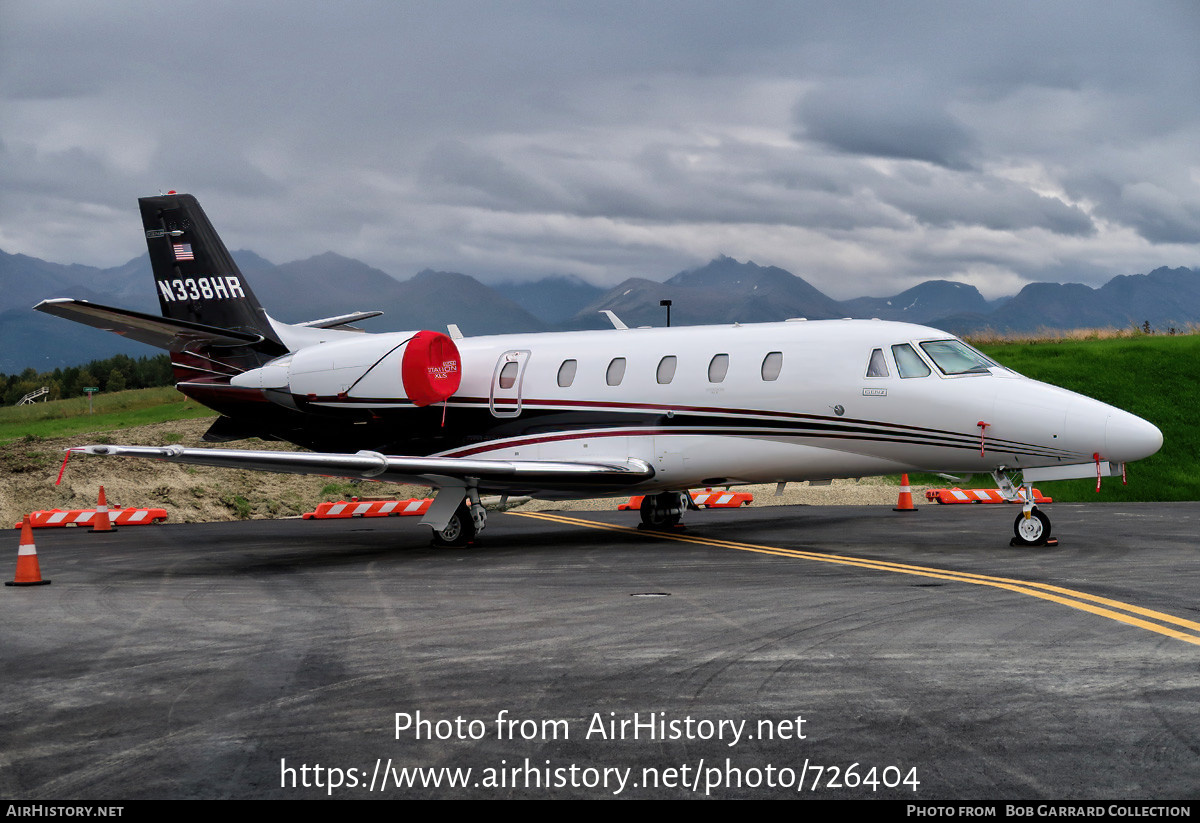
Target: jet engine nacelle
[{"x": 422, "y": 366}]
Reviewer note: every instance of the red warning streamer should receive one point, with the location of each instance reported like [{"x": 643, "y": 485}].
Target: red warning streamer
[{"x": 63, "y": 467}]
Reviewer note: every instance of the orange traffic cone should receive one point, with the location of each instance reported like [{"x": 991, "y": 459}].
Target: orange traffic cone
[
  {"x": 101, "y": 523},
  {"x": 28, "y": 573},
  {"x": 905, "y": 504}
]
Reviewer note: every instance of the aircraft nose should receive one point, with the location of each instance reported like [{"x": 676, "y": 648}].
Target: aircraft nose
[{"x": 1128, "y": 437}]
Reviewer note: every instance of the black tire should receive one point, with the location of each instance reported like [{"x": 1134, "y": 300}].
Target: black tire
[
  {"x": 1034, "y": 530},
  {"x": 459, "y": 532},
  {"x": 661, "y": 511}
]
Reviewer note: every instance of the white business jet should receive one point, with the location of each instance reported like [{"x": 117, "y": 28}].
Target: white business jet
[{"x": 651, "y": 411}]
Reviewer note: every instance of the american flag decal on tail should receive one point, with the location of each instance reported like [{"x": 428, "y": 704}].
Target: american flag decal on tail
[{"x": 183, "y": 251}]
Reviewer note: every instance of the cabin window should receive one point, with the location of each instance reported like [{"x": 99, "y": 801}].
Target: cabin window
[
  {"x": 566, "y": 373},
  {"x": 878, "y": 365},
  {"x": 616, "y": 371},
  {"x": 771, "y": 366},
  {"x": 666, "y": 369},
  {"x": 718, "y": 367},
  {"x": 908, "y": 362},
  {"x": 508, "y": 375},
  {"x": 956, "y": 357}
]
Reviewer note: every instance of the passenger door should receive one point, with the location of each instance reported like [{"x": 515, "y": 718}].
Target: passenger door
[{"x": 506, "y": 383}]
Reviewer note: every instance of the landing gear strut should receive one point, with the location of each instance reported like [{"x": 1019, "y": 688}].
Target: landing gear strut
[
  {"x": 1032, "y": 526},
  {"x": 662, "y": 511},
  {"x": 467, "y": 522}
]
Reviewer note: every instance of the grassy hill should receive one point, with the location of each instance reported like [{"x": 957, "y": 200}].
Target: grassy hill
[
  {"x": 1153, "y": 376},
  {"x": 110, "y": 411}
]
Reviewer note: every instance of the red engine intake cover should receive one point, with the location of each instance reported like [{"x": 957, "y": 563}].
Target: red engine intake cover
[{"x": 430, "y": 368}]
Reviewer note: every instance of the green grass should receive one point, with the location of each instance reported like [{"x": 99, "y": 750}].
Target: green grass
[
  {"x": 118, "y": 410},
  {"x": 1155, "y": 377}
]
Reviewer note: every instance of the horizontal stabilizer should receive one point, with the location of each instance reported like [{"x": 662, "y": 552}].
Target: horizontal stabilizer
[
  {"x": 163, "y": 332},
  {"x": 340, "y": 320},
  {"x": 427, "y": 471}
]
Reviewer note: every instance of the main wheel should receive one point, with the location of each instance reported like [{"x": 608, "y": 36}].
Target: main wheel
[
  {"x": 662, "y": 511},
  {"x": 1032, "y": 530},
  {"x": 459, "y": 532}
]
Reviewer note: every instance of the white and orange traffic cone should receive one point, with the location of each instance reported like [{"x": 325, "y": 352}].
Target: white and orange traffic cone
[
  {"x": 905, "y": 503},
  {"x": 101, "y": 522},
  {"x": 28, "y": 572}
]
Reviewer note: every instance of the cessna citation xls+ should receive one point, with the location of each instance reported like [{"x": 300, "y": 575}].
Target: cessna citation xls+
[{"x": 582, "y": 414}]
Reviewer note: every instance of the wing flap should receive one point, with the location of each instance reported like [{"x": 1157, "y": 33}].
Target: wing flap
[{"x": 431, "y": 471}]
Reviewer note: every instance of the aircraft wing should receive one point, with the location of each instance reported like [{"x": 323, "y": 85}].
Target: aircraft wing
[
  {"x": 497, "y": 475},
  {"x": 163, "y": 332},
  {"x": 340, "y": 320}
]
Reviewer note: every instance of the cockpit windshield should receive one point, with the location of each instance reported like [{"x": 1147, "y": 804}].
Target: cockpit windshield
[{"x": 956, "y": 357}]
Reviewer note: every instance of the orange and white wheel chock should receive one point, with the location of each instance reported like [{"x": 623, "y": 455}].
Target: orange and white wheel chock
[
  {"x": 28, "y": 571},
  {"x": 708, "y": 499},
  {"x": 61, "y": 518},
  {"x": 370, "y": 508},
  {"x": 957, "y": 495}
]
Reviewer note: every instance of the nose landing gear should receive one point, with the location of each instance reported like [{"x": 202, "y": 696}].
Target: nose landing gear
[{"x": 1032, "y": 526}]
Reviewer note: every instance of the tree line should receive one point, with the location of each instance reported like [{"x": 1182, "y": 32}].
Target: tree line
[{"x": 112, "y": 374}]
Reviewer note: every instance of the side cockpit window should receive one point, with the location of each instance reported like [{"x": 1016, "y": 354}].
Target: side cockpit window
[
  {"x": 908, "y": 362},
  {"x": 878, "y": 365},
  {"x": 956, "y": 357}
]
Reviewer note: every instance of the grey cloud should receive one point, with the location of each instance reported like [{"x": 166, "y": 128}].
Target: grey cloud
[
  {"x": 495, "y": 183},
  {"x": 859, "y": 143},
  {"x": 959, "y": 200},
  {"x": 885, "y": 119},
  {"x": 1159, "y": 215}
]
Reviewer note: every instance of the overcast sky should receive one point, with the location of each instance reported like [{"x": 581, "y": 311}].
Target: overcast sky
[{"x": 863, "y": 146}]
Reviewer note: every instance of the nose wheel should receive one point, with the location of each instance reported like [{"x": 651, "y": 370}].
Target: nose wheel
[{"x": 1033, "y": 530}]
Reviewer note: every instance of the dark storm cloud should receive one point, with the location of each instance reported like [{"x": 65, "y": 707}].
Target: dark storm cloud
[{"x": 866, "y": 146}]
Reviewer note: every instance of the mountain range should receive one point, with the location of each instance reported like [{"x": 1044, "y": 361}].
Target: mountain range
[{"x": 722, "y": 291}]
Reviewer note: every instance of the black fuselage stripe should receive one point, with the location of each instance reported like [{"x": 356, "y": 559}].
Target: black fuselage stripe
[
  {"x": 522, "y": 442},
  {"x": 788, "y": 424}
]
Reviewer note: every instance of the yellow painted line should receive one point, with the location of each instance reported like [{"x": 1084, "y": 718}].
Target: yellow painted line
[{"x": 1112, "y": 609}]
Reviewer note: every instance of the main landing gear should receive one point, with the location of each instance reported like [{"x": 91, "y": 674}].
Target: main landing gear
[
  {"x": 662, "y": 512},
  {"x": 1032, "y": 526},
  {"x": 468, "y": 521}
]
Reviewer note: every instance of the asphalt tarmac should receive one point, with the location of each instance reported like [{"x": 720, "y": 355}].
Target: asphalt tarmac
[{"x": 824, "y": 652}]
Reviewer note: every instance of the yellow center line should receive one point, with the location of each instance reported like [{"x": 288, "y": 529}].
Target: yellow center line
[{"x": 1043, "y": 591}]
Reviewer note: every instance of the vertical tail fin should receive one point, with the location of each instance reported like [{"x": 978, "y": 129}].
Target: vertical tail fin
[{"x": 196, "y": 277}]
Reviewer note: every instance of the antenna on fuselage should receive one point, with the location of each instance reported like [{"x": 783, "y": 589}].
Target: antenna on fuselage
[{"x": 612, "y": 318}]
